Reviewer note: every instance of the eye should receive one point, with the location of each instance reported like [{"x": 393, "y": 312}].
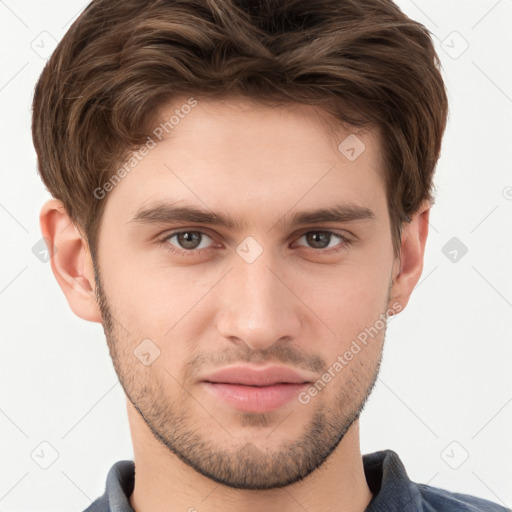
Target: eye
[
  {"x": 186, "y": 241},
  {"x": 325, "y": 239}
]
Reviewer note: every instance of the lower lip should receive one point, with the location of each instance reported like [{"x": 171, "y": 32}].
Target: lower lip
[{"x": 253, "y": 398}]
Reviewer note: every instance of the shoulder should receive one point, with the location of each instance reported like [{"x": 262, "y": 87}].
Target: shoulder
[
  {"x": 393, "y": 490},
  {"x": 118, "y": 488},
  {"x": 441, "y": 500}
]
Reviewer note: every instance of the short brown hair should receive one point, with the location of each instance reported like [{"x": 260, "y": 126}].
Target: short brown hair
[{"x": 363, "y": 61}]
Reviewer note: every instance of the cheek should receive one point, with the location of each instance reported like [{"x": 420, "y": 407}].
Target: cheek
[
  {"x": 152, "y": 294},
  {"x": 347, "y": 298},
  {"x": 168, "y": 306}
]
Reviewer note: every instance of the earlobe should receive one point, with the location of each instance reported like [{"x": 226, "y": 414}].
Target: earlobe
[
  {"x": 70, "y": 260},
  {"x": 408, "y": 268}
]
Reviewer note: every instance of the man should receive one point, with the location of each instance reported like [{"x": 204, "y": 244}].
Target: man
[{"x": 241, "y": 198}]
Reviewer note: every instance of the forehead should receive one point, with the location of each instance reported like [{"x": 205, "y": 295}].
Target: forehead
[
  {"x": 250, "y": 115},
  {"x": 236, "y": 153}
]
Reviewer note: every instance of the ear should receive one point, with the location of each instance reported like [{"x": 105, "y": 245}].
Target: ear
[
  {"x": 408, "y": 267},
  {"x": 70, "y": 260}
]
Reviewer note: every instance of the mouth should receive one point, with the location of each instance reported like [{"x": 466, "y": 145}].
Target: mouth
[
  {"x": 256, "y": 390},
  {"x": 257, "y": 399}
]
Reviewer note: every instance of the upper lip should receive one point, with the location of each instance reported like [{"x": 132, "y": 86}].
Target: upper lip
[{"x": 250, "y": 376}]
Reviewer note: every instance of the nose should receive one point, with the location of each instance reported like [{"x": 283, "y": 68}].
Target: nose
[{"x": 258, "y": 304}]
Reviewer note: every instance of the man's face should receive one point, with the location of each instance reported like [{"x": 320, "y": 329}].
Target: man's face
[{"x": 264, "y": 291}]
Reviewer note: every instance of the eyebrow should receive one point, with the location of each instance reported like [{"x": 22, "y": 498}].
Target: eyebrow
[{"x": 163, "y": 213}]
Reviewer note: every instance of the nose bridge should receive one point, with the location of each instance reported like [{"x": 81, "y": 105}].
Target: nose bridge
[{"x": 258, "y": 308}]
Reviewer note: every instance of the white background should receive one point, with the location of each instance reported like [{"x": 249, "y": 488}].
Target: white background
[{"x": 444, "y": 392}]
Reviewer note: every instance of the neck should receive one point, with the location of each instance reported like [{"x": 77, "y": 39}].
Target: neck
[{"x": 164, "y": 483}]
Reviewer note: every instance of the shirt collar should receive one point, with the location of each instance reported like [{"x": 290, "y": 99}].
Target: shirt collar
[{"x": 389, "y": 483}]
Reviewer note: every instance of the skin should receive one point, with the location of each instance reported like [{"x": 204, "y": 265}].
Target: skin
[{"x": 296, "y": 305}]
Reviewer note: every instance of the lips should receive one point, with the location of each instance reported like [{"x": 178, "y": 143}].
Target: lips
[
  {"x": 249, "y": 376},
  {"x": 256, "y": 390}
]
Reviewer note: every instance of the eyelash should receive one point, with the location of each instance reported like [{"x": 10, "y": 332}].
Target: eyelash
[{"x": 346, "y": 242}]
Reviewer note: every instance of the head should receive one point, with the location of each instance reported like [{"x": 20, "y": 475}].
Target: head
[{"x": 307, "y": 133}]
